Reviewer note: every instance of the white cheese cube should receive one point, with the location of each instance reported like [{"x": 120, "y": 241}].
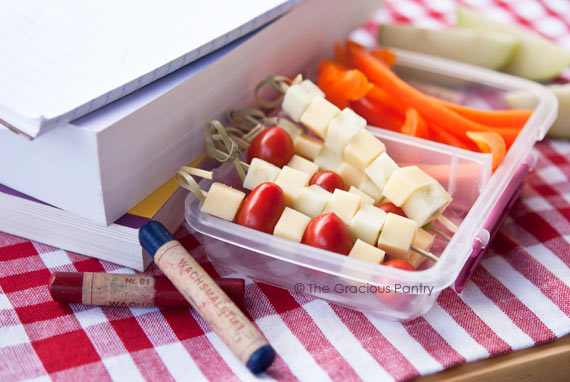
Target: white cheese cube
[
  {"x": 366, "y": 252},
  {"x": 292, "y": 129},
  {"x": 424, "y": 204},
  {"x": 298, "y": 97},
  {"x": 362, "y": 149},
  {"x": 299, "y": 163},
  {"x": 367, "y": 223},
  {"x": 350, "y": 174},
  {"x": 312, "y": 201},
  {"x": 291, "y": 182},
  {"x": 367, "y": 186},
  {"x": 415, "y": 259},
  {"x": 311, "y": 87},
  {"x": 423, "y": 240},
  {"x": 318, "y": 116},
  {"x": 307, "y": 146},
  {"x": 259, "y": 172},
  {"x": 291, "y": 225},
  {"x": 366, "y": 199},
  {"x": 380, "y": 170},
  {"x": 222, "y": 201},
  {"x": 328, "y": 160},
  {"x": 397, "y": 235},
  {"x": 344, "y": 204},
  {"x": 342, "y": 128},
  {"x": 404, "y": 182}
]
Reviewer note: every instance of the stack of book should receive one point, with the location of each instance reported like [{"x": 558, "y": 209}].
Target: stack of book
[{"x": 100, "y": 107}]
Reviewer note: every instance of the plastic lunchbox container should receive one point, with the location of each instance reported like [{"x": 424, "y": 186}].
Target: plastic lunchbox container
[{"x": 480, "y": 201}]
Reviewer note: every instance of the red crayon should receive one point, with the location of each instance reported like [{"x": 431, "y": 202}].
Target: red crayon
[{"x": 137, "y": 291}]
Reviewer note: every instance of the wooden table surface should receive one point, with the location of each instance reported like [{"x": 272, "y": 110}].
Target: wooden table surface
[{"x": 548, "y": 362}]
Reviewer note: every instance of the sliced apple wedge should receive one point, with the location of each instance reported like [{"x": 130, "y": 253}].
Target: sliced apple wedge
[
  {"x": 521, "y": 100},
  {"x": 525, "y": 100},
  {"x": 536, "y": 58},
  {"x": 487, "y": 49}
]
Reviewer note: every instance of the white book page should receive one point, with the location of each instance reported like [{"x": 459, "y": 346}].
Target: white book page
[{"x": 65, "y": 56}]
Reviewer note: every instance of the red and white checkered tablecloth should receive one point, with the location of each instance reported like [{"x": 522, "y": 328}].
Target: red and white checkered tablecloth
[{"x": 519, "y": 296}]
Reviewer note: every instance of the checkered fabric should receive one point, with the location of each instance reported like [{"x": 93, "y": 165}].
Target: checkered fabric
[{"x": 519, "y": 296}]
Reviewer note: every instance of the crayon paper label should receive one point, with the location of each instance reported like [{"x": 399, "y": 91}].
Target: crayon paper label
[
  {"x": 225, "y": 318},
  {"x": 135, "y": 291}
]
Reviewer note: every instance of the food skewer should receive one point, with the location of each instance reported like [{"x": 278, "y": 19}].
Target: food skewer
[
  {"x": 433, "y": 228},
  {"x": 304, "y": 102},
  {"x": 185, "y": 179},
  {"x": 287, "y": 179},
  {"x": 221, "y": 147},
  {"x": 446, "y": 222},
  {"x": 359, "y": 158},
  {"x": 426, "y": 254}
]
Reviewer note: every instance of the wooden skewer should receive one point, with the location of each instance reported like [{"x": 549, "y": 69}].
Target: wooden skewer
[
  {"x": 198, "y": 172},
  {"x": 426, "y": 254},
  {"x": 446, "y": 223},
  {"x": 438, "y": 231},
  {"x": 275, "y": 82},
  {"x": 186, "y": 180},
  {"x": 220, "y": 146}
]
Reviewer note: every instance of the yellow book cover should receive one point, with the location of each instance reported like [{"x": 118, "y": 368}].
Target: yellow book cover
[{"x": 147, "y": 209}]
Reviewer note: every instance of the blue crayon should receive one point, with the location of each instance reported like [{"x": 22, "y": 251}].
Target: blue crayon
[{"x": 206, "y": 297}]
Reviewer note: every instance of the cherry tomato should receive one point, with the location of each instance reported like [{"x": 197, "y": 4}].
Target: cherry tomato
[
  {"x": 389, "y": 297},
  {"x": 262, "y": 208},
  {"x": 273, "y": 145},
  {"x": 391, "y": 207},
  {"x": 328, "y": 232},
  {"x": 329, "y": 180},
  {"x": 400, "y": 264}
]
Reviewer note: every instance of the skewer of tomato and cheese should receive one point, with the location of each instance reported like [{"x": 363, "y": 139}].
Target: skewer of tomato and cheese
[{"x": 361, "y": 159}]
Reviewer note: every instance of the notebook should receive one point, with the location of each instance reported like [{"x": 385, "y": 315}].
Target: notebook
[
  {"x": 62, "y": 59},
  {"x": 112, "y": 147}
]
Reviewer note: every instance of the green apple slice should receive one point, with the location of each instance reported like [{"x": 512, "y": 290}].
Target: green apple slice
[
  {"x": 536, "y": 58},
  {"x": 481, "y": 48},
  {"x": 525, "y": 100}
]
